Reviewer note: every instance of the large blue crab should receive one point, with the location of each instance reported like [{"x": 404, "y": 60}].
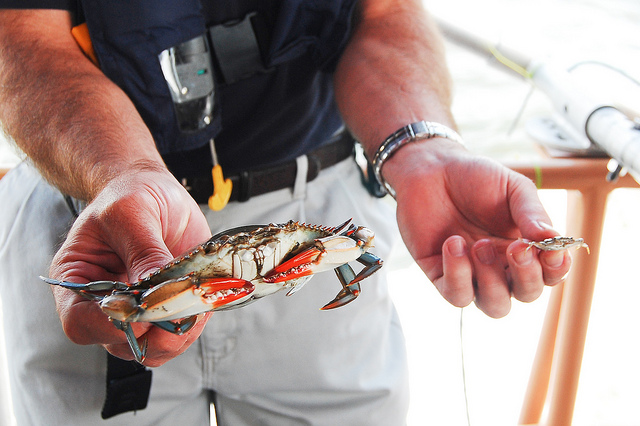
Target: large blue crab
[{"x": 232, "y": 269}]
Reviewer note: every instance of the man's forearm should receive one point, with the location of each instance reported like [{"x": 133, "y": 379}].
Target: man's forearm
[
  {"x": 76, "y": 126},
  {"x": 393, "y": 72}
]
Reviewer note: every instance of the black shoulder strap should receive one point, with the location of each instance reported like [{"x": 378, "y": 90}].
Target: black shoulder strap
[{"x": 128, "y": 386}]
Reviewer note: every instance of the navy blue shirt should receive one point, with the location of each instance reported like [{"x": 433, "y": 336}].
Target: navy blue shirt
[{"x": 265, "y": 119}]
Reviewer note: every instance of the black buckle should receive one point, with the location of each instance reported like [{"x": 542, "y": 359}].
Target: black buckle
[
  {"x": 314, "y": 167},
  {"x": 244, "y": 186},
  {"x": 367, "y": 176}
]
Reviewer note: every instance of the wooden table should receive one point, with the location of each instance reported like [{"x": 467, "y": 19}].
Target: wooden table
[{"x": 556, "y": 367}]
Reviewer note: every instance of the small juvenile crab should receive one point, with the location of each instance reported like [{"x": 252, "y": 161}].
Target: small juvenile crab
[{"x": 556, "y": 243}]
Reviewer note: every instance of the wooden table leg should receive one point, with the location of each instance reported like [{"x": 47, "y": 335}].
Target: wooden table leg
[
  {"x": 559, "y": 358},
  {"x": 536, "y": 393}
]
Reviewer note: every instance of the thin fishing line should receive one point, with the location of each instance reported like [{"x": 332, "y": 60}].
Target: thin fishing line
[
  {"x": 520, "y": 113},
  {"x": 604, "y": 65},
  {"x": 464, "y": 375}
]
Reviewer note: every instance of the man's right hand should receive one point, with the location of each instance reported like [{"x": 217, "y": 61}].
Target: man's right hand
[{"x": 140, "y": 221}]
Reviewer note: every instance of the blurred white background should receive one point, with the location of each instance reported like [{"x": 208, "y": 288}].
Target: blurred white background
[{"x": 498, "y": 353}]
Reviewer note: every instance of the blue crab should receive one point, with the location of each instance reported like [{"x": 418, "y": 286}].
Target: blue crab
[{"x": 232, "y": 269}]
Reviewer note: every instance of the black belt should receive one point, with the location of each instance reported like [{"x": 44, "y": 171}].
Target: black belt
[{"x": 261, "y": 181}]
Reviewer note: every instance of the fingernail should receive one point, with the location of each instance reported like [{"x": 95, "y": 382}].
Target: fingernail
[
  {"x": 486, "y": 254},
  {"x": 457, "y": 247},
  {"x": 554, "y": 259},
  {"x": 523, "y": 257},
  {"x": 545, "y": 225}
]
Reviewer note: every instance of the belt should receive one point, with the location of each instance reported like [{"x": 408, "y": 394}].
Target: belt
[{"x": 252, "y": 183}]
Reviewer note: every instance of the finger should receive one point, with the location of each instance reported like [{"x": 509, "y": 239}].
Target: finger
[
  {"x": 555, "y": 266},
  {"x": 526, "y": 272},
  {"x": 492, "y": 292},
  {"x": 455, "y": 284}
]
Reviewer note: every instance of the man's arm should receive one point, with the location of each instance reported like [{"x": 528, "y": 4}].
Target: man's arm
[
  {"x": 85, "y": 136},
  {"x": 76, "y": 126},
  {"x": 458, "y": 214},
  {"x": 393, "y": 69}
]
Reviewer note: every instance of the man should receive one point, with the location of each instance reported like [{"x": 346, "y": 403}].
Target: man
[{"x": 101, "y": 136}]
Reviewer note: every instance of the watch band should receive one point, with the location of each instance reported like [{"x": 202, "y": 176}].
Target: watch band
[{"x": 407, "y": 134}]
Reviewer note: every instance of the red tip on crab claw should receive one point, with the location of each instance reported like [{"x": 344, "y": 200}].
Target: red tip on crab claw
[
  {"x": 345, "y": 296},
  {"x": 296, "y": 267},
  {"x": 223, "y": 291}
]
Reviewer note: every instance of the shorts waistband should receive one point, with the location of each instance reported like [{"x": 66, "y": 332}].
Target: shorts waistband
[{"x": 252, "y": 183}]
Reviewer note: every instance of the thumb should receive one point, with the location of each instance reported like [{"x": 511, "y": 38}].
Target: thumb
[{"x": 527, "y": 211}]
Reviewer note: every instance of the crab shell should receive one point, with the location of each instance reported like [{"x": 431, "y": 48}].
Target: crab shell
[{"x": 230, "y": 271}]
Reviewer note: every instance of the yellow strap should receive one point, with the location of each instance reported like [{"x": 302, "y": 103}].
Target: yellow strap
[
  {"x": 81, "y": 34},
  {"x": 538, "y": 173},
  {"x": 221, "y": 189}
]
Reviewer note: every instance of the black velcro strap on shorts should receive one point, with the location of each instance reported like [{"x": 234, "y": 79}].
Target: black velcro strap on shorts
[
  {"x": 252, "y": 183},
  {"x": 128, "y": 387}
]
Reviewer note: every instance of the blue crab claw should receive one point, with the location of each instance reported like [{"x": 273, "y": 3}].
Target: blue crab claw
[
  {"x": 349, "y": 291},
  {"x": 351, "y": 282}
]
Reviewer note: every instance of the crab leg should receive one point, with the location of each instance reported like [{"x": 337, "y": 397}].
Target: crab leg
[
  {"x": 88, "y": 289},
  {"x": 139, "y": 353},
  {"x": 350, "y": 290},
  {"x": 177, "y": 327},
  {"x": 351, "y": 282},
  {"x": 371, "y": 264}
]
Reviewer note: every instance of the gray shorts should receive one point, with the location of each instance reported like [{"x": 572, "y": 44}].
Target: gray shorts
[{"x": 279, "y": 361}]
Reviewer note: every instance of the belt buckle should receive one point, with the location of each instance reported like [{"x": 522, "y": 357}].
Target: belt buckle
[{"x": 314, "y": 167}]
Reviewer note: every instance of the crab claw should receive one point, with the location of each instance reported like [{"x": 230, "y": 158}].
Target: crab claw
[
  {"x": 345, "y": 296},
  {"x": 190, "y": 295},
  {"x": 350, "y": 290},
  {"x": 328, "y": 253},
  {"x": 351, "y": 282},
  {"x": 301, "y": 265}
]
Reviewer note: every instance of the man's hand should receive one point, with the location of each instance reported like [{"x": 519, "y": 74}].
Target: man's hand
[
  {"x": 141, "y": 220},
  {"x": 461, "y": 215}
]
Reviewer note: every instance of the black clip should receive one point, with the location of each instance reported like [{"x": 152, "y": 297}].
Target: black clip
[
  {"x": 237, "y": 48},
  {"x": 367, "y": 175}
]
